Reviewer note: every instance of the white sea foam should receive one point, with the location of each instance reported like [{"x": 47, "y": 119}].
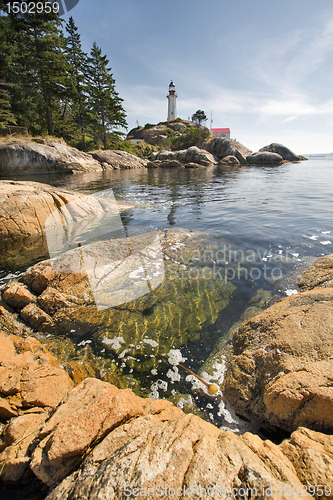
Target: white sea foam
[
  {"x": 150, "y": 342},
  {"x": 114, "y": 343}
]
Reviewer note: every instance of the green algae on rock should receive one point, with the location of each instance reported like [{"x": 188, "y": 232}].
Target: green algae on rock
[{"x": 132, "y": 333}]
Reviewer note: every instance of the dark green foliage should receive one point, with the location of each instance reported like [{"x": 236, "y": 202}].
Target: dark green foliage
[
  {"x": 107, "y": 113},
  {"x": 191, "y": 137},
  {"x": 6, "y": 116},
  {"x": 76, "y": 107},
  {"x": 51, "y": 86},
  {"x": 199, "y": 116}
]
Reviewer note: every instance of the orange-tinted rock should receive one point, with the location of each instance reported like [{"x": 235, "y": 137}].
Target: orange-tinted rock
[
  {"x": 281, "y": 370},
  {"x": 18, "y": 435},
  {"x": 17, "y": 295},
  {"x": 311, "y": 453}
]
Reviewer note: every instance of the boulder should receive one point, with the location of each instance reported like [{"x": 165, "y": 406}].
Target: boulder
[
  {"x": 17, "y": 295},
  {"x": 221, "y": 147},
  {"x": 103, "y": 442},
  {"x": 114, "y": 159},
  {"x": 286, "y": 153},
  {"x": 281, "y": 368},
  {"x": 229, "y": 160},
  {"x": 30, "y": 157},
  {"x": 319, "y": 274},
  {"x": 184, "y": 156},
  {"x": 29, "y": 376},
  {"x": 264, "y": 158},
  {"x": 26, "y": 206},
  {"x": 126, "y": 441},
  {"x": 311, "y": 453}
]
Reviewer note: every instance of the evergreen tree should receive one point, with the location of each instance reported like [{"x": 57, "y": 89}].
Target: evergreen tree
[
  {"x": 39, "y": 68},
  {"x": 105, "y": 103},
  {"x": 199, "y": 116},
  {"x": 6, "y": 115},
  {"x": 77, "y": 61}
]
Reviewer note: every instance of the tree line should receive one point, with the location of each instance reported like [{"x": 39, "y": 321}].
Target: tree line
[{"x": 50, "y": 85}]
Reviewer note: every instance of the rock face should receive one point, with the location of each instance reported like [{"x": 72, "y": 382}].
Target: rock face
[
  {"x": 281, "y": 368},
  {"x": 264, "y": 158},
  {"x": 229, "y": 160},
  {"x": 114, "y": 159},
  {"x": 222, "y": 147},
  {"x": 27, "y": 158},
  {"x": 319, "y": 275},
  {"x": 103, "y": 442},
  {"x": 31, "y": 382},
  {"x": 25, "y": 206},
  {"x": 281, "y": 150},
  {"x": 183, "y": 158}
]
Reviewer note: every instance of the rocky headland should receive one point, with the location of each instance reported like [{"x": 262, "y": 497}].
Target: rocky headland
[
  {"x": 42, "y": 156},
  {"x": 23, "y": 158}
]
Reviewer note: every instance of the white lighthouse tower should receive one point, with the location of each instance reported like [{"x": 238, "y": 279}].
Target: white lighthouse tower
[{"x": 172, "y": 105}]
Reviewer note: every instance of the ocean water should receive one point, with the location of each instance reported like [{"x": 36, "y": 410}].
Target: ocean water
[{"x": 259, "y": 228}]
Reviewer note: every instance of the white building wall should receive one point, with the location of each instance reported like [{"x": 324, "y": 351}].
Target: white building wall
[{"x": 172, "y": 107}]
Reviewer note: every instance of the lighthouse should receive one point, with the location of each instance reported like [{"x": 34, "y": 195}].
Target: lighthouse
[{"x": 172, "y": 105}]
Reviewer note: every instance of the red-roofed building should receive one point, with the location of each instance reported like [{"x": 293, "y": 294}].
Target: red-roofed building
[{"x": 221, "y": 132}]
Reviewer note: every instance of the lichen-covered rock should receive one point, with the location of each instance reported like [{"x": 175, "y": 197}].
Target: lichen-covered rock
[
  {"x": 114, "y": 159},
  {"x": 26, "y": 205},
  {"x": 311, "y": 453},
  {"x": 183, "y": 157},
  {"x": 18, "y": 436},
  {"x": 30, "y": 157}
]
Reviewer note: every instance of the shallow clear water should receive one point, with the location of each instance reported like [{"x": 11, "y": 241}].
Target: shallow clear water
[{"x": 263, "y": 226}]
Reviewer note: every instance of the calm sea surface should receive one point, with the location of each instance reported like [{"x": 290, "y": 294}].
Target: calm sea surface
[{"x": 271, "y": 222}]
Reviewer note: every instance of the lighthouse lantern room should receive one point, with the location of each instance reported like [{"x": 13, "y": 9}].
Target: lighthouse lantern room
[{"x": 172, "y": 105}]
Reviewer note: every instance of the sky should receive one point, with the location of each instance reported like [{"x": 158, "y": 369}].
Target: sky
[{"x": 262, "y": 68}]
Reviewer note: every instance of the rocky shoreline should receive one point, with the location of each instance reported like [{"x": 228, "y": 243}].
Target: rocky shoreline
[
  {"x": 97, "y": 441},
  {"x": 54, "y": 156},
  {"x": 66, "y": 434}
]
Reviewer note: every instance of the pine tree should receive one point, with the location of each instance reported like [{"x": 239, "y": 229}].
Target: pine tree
[
  {"x": 39, "y": 68},
  {"x": 77, "y": 61},
  {"x": 105, "y": 104},
  {"x": 6, "y": 115}
]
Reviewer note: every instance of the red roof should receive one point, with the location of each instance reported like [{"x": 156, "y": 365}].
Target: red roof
[{"x": 221, "y": 130}]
